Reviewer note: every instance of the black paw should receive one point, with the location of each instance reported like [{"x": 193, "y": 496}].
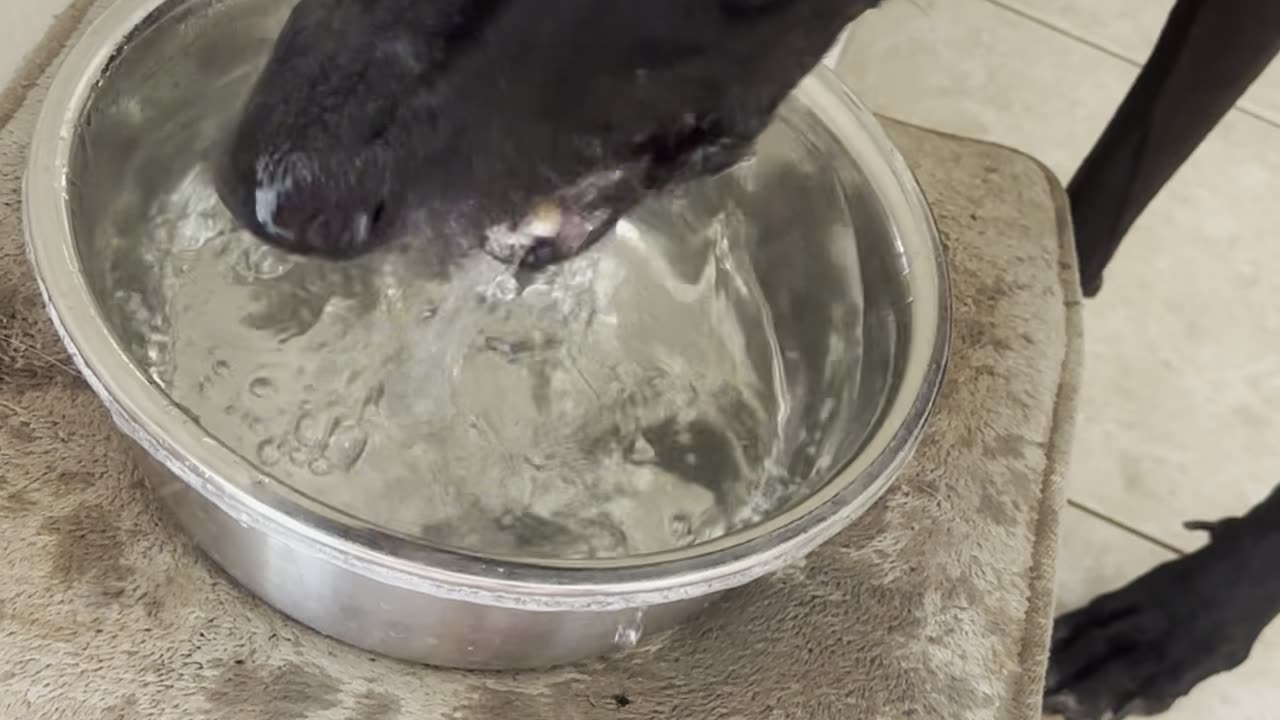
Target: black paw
[{"x": 1134, "y": 652}]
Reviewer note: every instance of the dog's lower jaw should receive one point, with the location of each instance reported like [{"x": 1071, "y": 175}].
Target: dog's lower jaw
[{"x": 561, "y": 226}]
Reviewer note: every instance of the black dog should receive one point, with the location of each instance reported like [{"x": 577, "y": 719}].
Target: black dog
[
  {"x": 533, "y": 124},
  {"x": 530, "y": 125}
]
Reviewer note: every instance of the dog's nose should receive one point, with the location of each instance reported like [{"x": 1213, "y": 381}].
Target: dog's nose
[
  {"x": 300, "y": 221},
  {"x": 331, "y": 233}
]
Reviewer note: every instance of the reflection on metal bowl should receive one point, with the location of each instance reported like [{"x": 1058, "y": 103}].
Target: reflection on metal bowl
[{"x": 838, "y": 330}]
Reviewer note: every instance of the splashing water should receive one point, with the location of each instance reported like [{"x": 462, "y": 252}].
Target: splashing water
[
  {"x": 629, "y": 401},
  {"x": 609, "y": 406}
]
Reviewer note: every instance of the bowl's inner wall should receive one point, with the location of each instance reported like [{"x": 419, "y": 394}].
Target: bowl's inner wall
[{"x": 187, "y": 50}]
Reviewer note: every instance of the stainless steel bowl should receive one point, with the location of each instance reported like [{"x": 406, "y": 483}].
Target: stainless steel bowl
[{"x": 387, "y": 591}]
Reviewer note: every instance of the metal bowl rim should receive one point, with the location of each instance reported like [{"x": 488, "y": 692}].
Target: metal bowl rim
[{"x": 230, "y": 482}]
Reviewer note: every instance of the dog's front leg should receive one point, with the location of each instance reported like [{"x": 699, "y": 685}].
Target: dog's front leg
[{"x": 1139, "y": 649}]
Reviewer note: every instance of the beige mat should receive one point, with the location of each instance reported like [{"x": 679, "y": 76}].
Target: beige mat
[{"x": 935, "y": 605}]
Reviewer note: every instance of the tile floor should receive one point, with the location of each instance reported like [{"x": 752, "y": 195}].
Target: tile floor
[
  {"x": 23, "y": 23},
  {"x": 1180, "y": 409},
  {"x": 1181, "y": 402}
]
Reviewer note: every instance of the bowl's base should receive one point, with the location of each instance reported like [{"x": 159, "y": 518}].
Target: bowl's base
[{"x": 398, "y": 623}]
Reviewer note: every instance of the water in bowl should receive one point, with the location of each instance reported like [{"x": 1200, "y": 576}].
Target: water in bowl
[{"x": 630, "y": 401}]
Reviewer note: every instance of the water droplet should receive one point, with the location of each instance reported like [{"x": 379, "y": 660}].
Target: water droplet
[
  {"x": 641, "y": 452},
  {"x": 269, "y": 452},
  {"x": 261, "y": 387},
  {"x": 630, "y": 631},
  {"x": 262, "y": 262}
]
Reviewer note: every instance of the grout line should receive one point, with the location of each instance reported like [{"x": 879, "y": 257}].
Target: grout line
[
  {"x": 1125, "y": 527},
  {"x": 1256, "y": 115},
  {"x": 1240, "y": 107},
  {"x": 1031, "y": 17}
]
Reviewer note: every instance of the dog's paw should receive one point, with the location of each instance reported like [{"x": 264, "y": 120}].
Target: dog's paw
[
  {"x": 1116, "y": 663},
  {"x": 1136, "y": 651}
]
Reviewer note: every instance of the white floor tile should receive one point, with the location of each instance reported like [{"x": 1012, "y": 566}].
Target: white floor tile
[
  {"x": 23, "y": 23},
  {"x": 1131, "y": 32},
  {"x": 1095, "y": 557},
  {"x": 1181, "y": 400}
]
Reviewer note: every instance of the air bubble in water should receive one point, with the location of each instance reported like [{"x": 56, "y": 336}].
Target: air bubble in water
[
  {"x": 261, "y": 387},
  {"x": 346, "y": 445},
  {"x": 269, "y": 452},
  {"x": 309, "y": 430},
  {"x": 504, "y": 288},
  {"x": 320, "y": 467},
  {"x": 300, "y": 456}
]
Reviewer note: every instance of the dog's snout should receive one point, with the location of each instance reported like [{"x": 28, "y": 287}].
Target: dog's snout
[{"x": 373, "y": 118}]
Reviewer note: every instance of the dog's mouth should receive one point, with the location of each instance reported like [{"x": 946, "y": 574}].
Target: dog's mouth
[
  {"x": 553, "y": 231},
  {"x": 560, "y": 227}
]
